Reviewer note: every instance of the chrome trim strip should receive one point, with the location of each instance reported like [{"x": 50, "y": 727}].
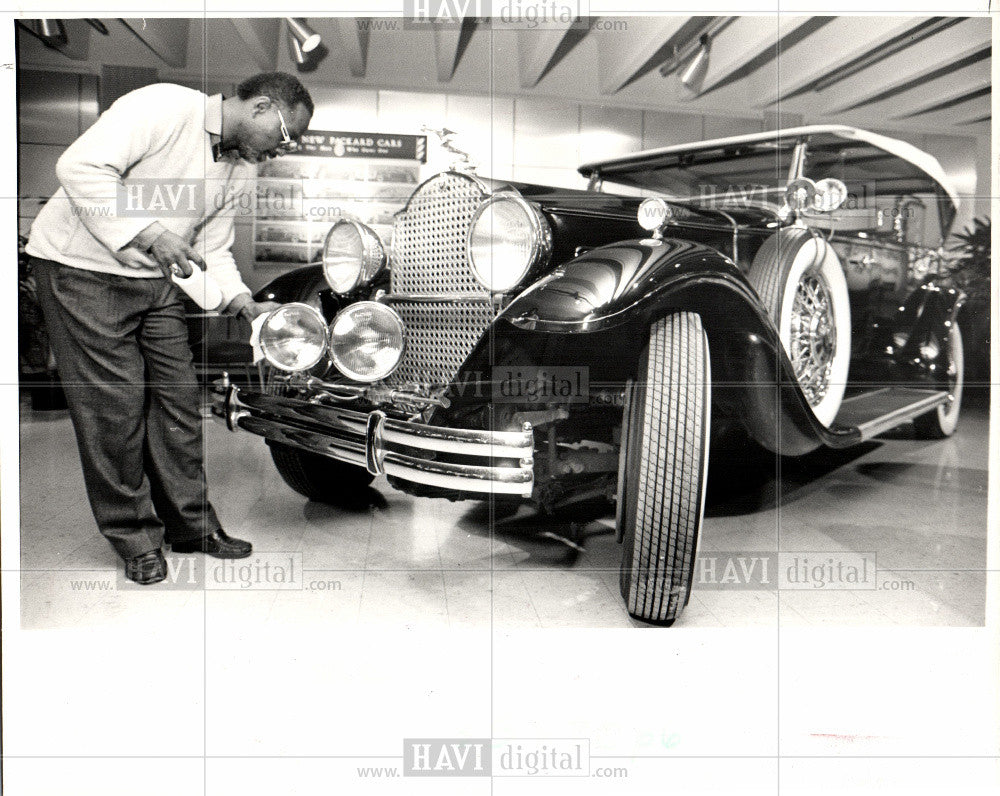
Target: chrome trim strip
[
  {"x": 509, "y": 480},
  {"x": 374, "y": 446},
  {"x": 483, "y": 443},
  {"x": 460, "y": 477},
  {"x": 469, "y": 441},
  {"x": 434, "y": 298},
  {"x": 361, "y": 438}
]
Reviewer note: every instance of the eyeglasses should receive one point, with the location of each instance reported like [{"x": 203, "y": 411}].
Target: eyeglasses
[{"x": 287, "y": 142}]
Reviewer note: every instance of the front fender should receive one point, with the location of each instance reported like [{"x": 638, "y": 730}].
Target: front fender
[
  {"x": 307, "y": 284},
  {"x": 605, "y": 287},
  {"x": 296, "y": 285},
  {"x": 595, "y": 311}
]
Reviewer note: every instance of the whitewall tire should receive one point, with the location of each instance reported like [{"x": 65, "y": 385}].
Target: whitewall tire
[
  {"x": 801, "y": 284},
  {"x": 942, "y": 421}
]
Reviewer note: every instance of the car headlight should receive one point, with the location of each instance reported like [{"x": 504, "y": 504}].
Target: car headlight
[
  {"x": 367, "y": 341},
  {"x": 506, "y": 238},
  {"x": 294, "y": 337},
  {"x": 352, "y": 255},
  {"x": 831, "y": 193}
]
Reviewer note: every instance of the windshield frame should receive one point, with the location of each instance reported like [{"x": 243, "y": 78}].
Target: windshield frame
[{"x": 733, "y": 196}]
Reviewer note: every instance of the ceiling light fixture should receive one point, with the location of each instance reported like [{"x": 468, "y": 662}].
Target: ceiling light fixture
[
  {"x": 298, "y": 57},
  {"x": 51, "y": 31},
  {"x": 694, "y": 73},
  {"x": 306, "y": 38},
  {"x": 692, "y": 57}
]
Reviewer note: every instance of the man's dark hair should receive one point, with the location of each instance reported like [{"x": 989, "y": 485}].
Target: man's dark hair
[{"x": 278, "y": 86}]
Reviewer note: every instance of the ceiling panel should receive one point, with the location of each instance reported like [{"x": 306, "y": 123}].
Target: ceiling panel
[
  {"x": 977, "y": 107},
  {"x": 942, "y": 51},
  {"x": 758, "y": 65},
  {"x": 825, "y": 52}
]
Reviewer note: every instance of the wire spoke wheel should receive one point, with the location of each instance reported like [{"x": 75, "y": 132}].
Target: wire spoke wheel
[
  {"x": 813, "y": 340},
  {"x": 802, "y": 287}
]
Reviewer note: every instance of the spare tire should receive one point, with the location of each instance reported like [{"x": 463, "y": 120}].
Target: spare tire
[{"x": 801, "y": 285}]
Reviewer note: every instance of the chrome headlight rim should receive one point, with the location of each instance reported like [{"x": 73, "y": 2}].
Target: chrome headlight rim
[
  {"x": 831, "y": 193},
  {"x": 266, "y": 346},
  {"x": 541, "y": 236},
  {"x": 373, "y": 255},
  {"x": 349, "y": 372}
]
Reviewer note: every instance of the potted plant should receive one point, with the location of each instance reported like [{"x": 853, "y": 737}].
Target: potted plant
[{"x": 970, "y": 268}]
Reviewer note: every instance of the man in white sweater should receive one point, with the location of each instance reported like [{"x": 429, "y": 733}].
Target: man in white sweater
[{"x": 152, "y": 187}]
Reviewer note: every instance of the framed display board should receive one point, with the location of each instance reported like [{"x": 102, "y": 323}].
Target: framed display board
[{"x": 332, "y": 175}]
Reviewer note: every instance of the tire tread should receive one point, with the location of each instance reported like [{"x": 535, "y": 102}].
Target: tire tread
[
  {"x": 659, "y": 556},
  {"x": 316, "y": 477}
]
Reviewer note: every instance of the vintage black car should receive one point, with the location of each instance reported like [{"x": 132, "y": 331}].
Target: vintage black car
[{"x": 555, "y": 346}]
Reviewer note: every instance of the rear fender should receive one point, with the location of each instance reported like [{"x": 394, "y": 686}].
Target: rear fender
[{"x": 927, "y": 313}]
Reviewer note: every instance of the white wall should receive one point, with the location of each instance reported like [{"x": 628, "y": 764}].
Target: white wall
[{"x": 528, "y": 138}]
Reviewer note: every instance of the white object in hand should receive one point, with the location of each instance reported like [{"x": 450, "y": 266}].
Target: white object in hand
[
  {"x": 199, "y": 286},
  {"x": 256, "y": 325}
]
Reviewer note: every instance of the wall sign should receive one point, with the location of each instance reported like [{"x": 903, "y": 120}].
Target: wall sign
[
  {"x": 324, "y": 143},
  {"x": 332, "y": 175}
]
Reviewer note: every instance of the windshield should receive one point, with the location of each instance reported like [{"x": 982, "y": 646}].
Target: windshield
[{"x": 737, "y": 175}]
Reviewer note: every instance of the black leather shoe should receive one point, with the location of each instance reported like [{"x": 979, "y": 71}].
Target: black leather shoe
[
  {"x": 216, "y": 544},
  {"x": 148, "y": 568}
]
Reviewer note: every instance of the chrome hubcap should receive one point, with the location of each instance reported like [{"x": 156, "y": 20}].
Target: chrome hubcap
[{"x": 813, "y": 338}]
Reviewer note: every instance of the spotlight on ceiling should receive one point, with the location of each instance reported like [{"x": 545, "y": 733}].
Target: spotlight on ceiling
[
  {"x": 305, "y": 37},
  {"x": 691, "y": 58},
  {"x": 694, "y": 73},
  {"x": 298, "y": 57},
  {"x": 51, "y": 31}
]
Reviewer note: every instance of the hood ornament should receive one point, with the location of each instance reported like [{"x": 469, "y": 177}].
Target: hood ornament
[{"x": 461, "y": 160}]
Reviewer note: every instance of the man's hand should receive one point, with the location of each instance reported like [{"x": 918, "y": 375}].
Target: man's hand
[
  {"x": 252, "y": 309},
  {"x": 171, "y": 250}
]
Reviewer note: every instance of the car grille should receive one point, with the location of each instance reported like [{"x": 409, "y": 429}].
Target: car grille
[
  {"x": 439, "y": 337},
  {"x": 428, "y": 240},
  {"x": 428, "y": 259}
]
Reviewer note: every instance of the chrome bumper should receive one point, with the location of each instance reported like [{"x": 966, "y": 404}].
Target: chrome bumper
[{"x": 372, "y": 440}]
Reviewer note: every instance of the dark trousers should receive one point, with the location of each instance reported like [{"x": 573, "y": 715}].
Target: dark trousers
[{"x": 121, "y": 347}]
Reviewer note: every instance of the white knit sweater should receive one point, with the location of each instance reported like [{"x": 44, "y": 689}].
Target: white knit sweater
[{"x": 148, "y": 158}]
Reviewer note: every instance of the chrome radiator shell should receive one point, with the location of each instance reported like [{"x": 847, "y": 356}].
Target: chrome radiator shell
[{"x": 444, "y": 307}]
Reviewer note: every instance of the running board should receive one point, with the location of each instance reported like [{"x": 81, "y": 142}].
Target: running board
[{"x": 876, "y": 412}]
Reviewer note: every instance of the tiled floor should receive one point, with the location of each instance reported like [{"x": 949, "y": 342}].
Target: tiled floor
[{"x": 918, "y": 509}]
